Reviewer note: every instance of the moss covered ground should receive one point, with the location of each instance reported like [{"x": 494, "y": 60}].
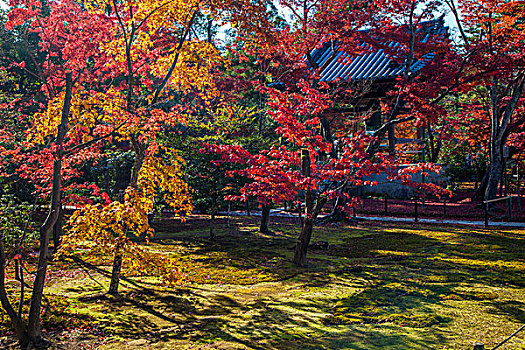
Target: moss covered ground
[{"x": 372, "y": 287}]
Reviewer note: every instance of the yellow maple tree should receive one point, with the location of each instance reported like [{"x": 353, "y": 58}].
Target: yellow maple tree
[{"x": 107, "y": 230}]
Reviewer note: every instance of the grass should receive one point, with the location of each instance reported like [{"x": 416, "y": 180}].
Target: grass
[{"x": 374, "y": 287}]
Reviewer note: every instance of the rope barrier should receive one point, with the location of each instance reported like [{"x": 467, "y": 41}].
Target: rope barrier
[{"x": 510, "y": 336}]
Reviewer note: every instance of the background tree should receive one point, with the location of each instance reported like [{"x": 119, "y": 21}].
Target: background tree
[
  {"x": 225, "y": 124},
  {"x": 492, "y": 62}
]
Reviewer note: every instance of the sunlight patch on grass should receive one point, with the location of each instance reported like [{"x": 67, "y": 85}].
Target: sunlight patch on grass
[
  {"x": 500, "y": 264},
  {"x": 385, "y": 287}
]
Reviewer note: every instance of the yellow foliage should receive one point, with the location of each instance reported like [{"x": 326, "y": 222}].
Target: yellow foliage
[
  {"x": 101, "y": 229},
  {"x": 194, "y": 69},
  {"x": 88, "y": 109},
  {"x": 224, "y": 120},
  {"x": 406, "y": 130},
  {"x": 163, "y": 175},
  {"x": 106, "y": 230}
]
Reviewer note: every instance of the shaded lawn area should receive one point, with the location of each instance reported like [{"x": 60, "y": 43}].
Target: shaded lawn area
[{"x": 374, "y": 287}]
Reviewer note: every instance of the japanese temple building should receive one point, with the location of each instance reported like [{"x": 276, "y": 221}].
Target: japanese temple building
[{"x": 375, "y": 73}]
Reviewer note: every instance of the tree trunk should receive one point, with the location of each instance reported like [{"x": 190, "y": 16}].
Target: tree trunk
[
  {"x": 313, "y": 206},
  {"x": 34, "y": 326},
  {"x": 247, "y": 206},
  {"x": 499, "y": 125},
  {"x": 435, "y": 145},
  {"x": 115, "y": 272},
  {"x": 337, "y": 214},
  {"x": 494, "y": 174},
  {"x": 391, "y": 139},
  {"x": 265, "y": 218},
  {"x": 303, "y": 241},
  {"x": 16, "y": 321},
  {"x": 57, "y": 229},
  {"x": 140, "y": 154},
  {"x": 326, "y": 133},
  {"x": 480, "y": 194}
]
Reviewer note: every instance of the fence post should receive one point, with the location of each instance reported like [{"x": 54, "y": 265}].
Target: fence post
[
  {"x": 229, "y": 210},
  {"x": 300, "y": 213},
  {"x": 509, "y": 207},
  {"x": 479, "y": 346},
  {"x": 486, "y": 214},
  {"x": 415, "y": 209},
  {"x": 423, "y": 199},
  {"x": 518, "y": 183}
]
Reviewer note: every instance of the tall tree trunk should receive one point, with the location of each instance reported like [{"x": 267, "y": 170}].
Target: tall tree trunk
[
  {"x": 265, "y": 218},
  {"x": 392, "y": 139},
  {"x": 301, "y": 247},
  {"x": 410, "y": 55},
  {"x": 435, "y": 145},
  {"x": 140, "y": 155},
  {"x": 326, "y": 133},
  {"x": 499, "y": 125},
  {"x": 480, "y": 194},
  {"x": 313, "y": 205},
  {"x": 34, "y": 326},
  {"x": 494, "y": 172}
]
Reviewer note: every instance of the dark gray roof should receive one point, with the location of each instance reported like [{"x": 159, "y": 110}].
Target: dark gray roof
[{"x": 374, "y": 65}]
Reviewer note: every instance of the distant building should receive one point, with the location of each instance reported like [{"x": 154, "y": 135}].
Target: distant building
[{"x": 374, "y": 74}]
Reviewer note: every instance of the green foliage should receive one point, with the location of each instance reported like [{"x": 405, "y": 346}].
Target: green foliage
[
  {"x": 460, "y": 169},
  {"x": 226, "y": 125},
  {"x": 111, "y": 172},
  {"x": 14, "y": 217},
  {"x": 21, "y": 84}
]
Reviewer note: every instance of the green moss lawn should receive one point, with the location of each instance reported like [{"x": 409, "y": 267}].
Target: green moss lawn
[{"x": 373, "y": 287}]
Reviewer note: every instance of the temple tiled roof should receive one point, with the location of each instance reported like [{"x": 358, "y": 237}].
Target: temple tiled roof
[{"x": 376, "y": 65}]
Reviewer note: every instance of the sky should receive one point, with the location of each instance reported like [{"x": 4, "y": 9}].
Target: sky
[{"x": 449, "y": 20}]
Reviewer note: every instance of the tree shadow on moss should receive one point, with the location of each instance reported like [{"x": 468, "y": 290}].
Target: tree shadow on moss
[
  {"x": 400, "y": 278},
  {"x": 510, "y": 308}
]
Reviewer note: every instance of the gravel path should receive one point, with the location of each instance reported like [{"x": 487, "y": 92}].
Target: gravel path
[{"x": 282, "y": 213}]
